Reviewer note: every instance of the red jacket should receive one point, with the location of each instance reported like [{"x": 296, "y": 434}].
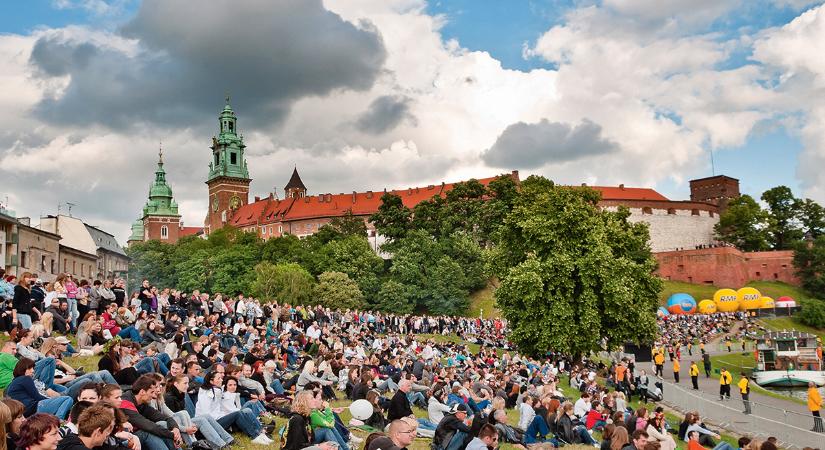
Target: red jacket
[{"x": 591, "y": 418}]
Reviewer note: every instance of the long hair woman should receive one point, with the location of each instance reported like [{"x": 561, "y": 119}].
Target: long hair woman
[
  {"x": 210, "y": 402},
  {"x": 15, "y": 420}
]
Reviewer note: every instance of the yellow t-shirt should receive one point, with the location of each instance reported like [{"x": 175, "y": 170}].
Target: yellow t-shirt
[
  {"x": 694, "y": 370},
  {"x": 744, "y": 385},
  {"x": 725, "y": 379},
  {"x": 676, "y": 365}
]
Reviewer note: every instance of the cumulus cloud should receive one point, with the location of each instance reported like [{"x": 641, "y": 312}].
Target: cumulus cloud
[
  {"x": 267, "y": 54},
  {"x": 533, "y": 145}
]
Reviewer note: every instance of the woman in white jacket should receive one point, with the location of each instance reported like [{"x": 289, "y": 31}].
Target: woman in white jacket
[
  {"x": 658, "y": 433},
  {"x": 211, "y": 403}
]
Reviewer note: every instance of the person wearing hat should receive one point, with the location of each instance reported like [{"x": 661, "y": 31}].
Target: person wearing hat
[{"x": 452, "y": 433}]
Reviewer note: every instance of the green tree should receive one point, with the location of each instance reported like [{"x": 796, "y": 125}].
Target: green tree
[
  {"x": 284, "y": 283},
  {"x": 744, "y": 224},
  {"x": 809, "y": 261},
  {"x": 394, "y": 297},
  {"x": 283, "y": 249},
  {"x": 152, "y": 260},
  {"x": 353, "y": 256},
  {"x": 349, "y": 225},
  {"x": 812, "y": 216},
  {"x": 195, "y": 272},
  {"x": 783, "y": 217},
  {"x": 813, "y": 313},
  {"x": 574, "y": 278},
  {"x": 392, "y": 219},
  {"x": 336, "y": 290}
]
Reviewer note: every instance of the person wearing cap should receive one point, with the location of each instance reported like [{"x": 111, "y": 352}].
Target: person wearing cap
[{"x": 452, "y": 433}]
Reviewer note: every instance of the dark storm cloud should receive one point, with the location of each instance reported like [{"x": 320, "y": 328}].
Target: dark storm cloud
[
  {"x": 532, "y": 145},
  {"x": 384, "y": 114},
  {"x": 267, "y": 54}
]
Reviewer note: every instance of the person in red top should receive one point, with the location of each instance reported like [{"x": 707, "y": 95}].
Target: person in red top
[{"x": 595, "y": 418}]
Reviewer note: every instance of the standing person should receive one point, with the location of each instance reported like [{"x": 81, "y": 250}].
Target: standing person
[
  {"x": 694, "y": 375},
  {"x": 706, "y": 363},
  {"x": 725, "y": 379},
  {"x": 676, "y": 367},
  {"x": 659, "y": 360},
  {"x": 119, "y": 290},
  {"x": 745, "y": 390},
  {"x": 71, "y": 298},
  {"x": 22, "y": 302},
  {"x": 815, "y": 406}
]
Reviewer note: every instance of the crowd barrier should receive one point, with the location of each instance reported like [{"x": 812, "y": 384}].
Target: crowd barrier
[{"x": 791, "y": 428}]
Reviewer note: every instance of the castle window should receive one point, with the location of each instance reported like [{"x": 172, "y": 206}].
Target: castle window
[
  {"x": 217, "y": 159},
  {"x": 280, "y": 229},
  {"x": 223, "y": 216},
  {"x": 671, "y": 212},
  {"x": 711, "y": 213},
  {"x": 694, "y": 212},
  {"x": 231, "y": 128},
  {"x": 164, "y": 232},
  {"x": 233, "y": 158},
  {"x": 647, "y": 210}
]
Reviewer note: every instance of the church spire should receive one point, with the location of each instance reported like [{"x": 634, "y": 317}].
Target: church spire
[{"x": 295, "y": 187}]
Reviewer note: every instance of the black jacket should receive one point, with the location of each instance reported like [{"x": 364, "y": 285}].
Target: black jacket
[
  {"x": 174, "y": 399},
  {"x": 22, "y": 301},
  {"x": 399, "y": 407},
  {"x": 359, "y": 391},
  {"x": 298, "y": 433},
  {"x": 446, "y": 429},
  {"x": 145, "y": 416},
  {"x": 71, "y": 442}
]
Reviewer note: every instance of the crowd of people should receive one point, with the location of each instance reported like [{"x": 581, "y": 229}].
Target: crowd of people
[{"x": 196, "y": 370}]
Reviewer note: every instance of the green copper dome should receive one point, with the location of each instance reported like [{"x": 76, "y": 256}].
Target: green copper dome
[
  {"x": 137, "y": 231},
  {"x": 160, "y": 201},
  {"x": 228, "y": 148}
]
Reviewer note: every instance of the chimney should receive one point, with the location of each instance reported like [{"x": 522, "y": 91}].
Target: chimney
[
  {"x": 430, "y": 187},
  {"x": 369, "y": 194},
  {"x": 270, "y": 196},
  {"x": 353, "y": 197},
  {"x": 584, "y": 184},
  {"x": 621, "y": 186},
  {"x": 514, "y": 174},
  {"x": 409, "y": 191},
  {"x": 257, "y": 199},
  {"x": 27, "y": 221}
]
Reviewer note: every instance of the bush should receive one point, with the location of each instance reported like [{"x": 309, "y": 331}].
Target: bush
[{"x": 813, "y": 313}]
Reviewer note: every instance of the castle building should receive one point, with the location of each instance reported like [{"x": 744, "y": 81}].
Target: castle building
[{"x": 674, "y": 225}]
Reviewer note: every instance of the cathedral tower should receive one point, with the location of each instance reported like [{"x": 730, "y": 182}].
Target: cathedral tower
[
  {"x": 160, "y": 220},
  {"x": 295, "y": 187},
  {"x": 228, "y": 180}
]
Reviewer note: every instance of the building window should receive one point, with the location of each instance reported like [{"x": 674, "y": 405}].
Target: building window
[
  {"x": 223, "y": 216},
  {"x": 280, "y": 229},
  {"x": 54, "y": 269},
  {"x": 74, "y": 266},
  {"x": 671, "y": 212},
  {"x": 711, "y": 213},
  {"x": 43, "y": 263},
  {"x": 65, "y": 265},
  {"x": 694, "y": 212},
  {"x": 164, "y": 232},
  {"x": 83, "y": 270},
  {"x": 233, "y": 158},
  {"x": 23, "y": 258},
  {"x": 647, "y": 210},
  {"x": 217, "y": 159}
]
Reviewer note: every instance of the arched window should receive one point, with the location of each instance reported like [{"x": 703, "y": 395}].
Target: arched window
[
  {"x": 223, "y": 216},
  {"x": 164, "y": 232}
]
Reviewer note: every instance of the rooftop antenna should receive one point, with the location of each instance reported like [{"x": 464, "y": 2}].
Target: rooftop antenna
[
  {"x": 160, "y": 150},
  {"x": 712, "y": 165},
  {"x": 70, "y": 205}
]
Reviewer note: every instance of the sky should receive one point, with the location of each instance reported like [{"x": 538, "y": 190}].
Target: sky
[{"x": 373, "y": 94}]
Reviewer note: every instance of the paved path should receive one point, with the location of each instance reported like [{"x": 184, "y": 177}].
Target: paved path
[{"x": 787, "y": 420}]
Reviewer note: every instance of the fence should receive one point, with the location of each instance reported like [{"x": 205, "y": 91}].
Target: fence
[{"x": 791, "y": 428}]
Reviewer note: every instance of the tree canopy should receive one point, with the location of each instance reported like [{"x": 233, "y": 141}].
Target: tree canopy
[{"x": 574, "y": 278}]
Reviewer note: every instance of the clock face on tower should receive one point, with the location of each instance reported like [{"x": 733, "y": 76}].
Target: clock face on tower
[
  {"x": 215, "y": 203},
  {"x": 234, "y": 202}
]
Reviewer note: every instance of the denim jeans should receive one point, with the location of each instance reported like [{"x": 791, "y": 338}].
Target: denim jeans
[
  {"x": 147, "y": 364},
  {"x": 212, "y": 430},
  {"x": 73, "y": 313},
  {"x": 58, "y": 406},
  {"x": 25, "y": 320},
  {"x": 330, "y": 435},
  {"x": 426, "y": 424},
  {"x": 101, "y": 376},
  {"x": 386, "y": 385},
  {"x": 44, "y": 370},
  {"x": 417, "y": 398},
  {"x": 245, "y": 420},
  {"x": 149, "y": 441},
  {"x": 584, "y": 435},
  {"x": 536, "y": 431},
  {"x": 131, "y": 333},
  {"x": 190, "y": 405},
  {"x": 255, "y": 406},
  {"x": 456, "y": 441},
  {"x": 277, "y": 386}
]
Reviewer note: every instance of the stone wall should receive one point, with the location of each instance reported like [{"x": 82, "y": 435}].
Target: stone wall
[
  {"x": 672, "y": 228},
  {"x": 726, "y": 266}
]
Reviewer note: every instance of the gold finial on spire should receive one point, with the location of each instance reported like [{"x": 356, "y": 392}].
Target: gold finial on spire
[{"x": 160, "y": 151}]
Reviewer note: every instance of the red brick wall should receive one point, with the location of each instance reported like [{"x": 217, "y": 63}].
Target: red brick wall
[
  {"x": 224, "y": 189},
  {"x": 726, "y": 266},
  {"x": 154, "y": 224}
]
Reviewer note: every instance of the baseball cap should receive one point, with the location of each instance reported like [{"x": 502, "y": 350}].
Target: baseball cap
[{"x": 457, "y": 408}]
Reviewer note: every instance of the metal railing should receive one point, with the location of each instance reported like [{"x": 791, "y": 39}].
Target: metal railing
[{"x": 791, "y": 428}]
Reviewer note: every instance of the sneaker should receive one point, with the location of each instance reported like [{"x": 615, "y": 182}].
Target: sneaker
[
  {"x": 262, "y": 440},
  {"x": 356, "y": 439}
]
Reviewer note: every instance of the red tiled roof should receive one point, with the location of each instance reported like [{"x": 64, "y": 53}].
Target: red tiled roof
[
  {"x": 626, "y": 193},
  {"x": 332, "y": 205},
  {"x": 190, "y": 231},
  {"x": 263, "y": 211}
]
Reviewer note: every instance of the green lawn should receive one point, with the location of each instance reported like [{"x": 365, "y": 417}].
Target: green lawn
[{"x": 483, "y": 303}]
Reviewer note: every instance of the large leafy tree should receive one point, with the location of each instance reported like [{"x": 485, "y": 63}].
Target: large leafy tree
[
  {"x": 393, "y": 218},
  {"x": 394, "y": 297},
  {"x": 744, "y": 224},
  {"x": 285, "y": 283},
  {"x": 812, "y": 217},
  {"x": 353, "y": 256},
  {"x": 574, "y": 278},
  {"x": 784, "y": 211},
  {"x": 809, "y": 260},
  {"x": 336, "y": 290}
]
